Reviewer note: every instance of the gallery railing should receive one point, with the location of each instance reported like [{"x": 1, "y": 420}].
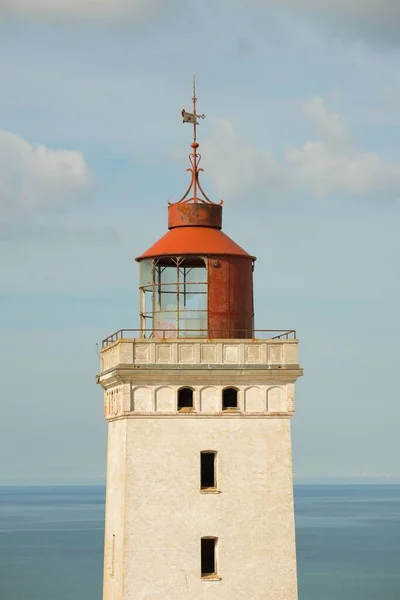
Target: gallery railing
[{"x": 271, "y": 334}]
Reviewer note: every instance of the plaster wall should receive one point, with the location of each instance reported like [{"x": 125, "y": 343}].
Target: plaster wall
[{"x": 158, "y": 515}]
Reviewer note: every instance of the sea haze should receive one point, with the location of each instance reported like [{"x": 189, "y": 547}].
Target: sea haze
[{"x": 348, "y": 542}]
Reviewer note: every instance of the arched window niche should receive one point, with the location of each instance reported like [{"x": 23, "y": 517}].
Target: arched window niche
[
  {"x": 173, "y": 297},
  {"x": 230, "y": 399},
  {"x": 185, "y": 399}
]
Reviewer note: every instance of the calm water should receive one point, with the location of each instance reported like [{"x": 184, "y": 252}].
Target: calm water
[{"x": 348, "y": 540}]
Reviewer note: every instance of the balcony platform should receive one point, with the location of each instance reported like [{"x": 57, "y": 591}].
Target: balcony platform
[{"x": 278, "y": 351}]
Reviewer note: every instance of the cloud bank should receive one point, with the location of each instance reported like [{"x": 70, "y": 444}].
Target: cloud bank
[
  {"x": 378, "y": 19},
  {"x": 381, "y": 18},
  {"x": 363, "y": 10},
  {"x": 135, "y": 9},
  {"x": 33, "y": 176},
  {"x": 322, "y": 167}
]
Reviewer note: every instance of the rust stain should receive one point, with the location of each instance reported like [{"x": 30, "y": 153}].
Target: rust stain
[
  {"x": 195, "y": 215},
  {"x": 230, "y": 297}
]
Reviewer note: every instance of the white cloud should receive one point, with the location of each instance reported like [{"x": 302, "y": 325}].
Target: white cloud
[
  {"x": 327, "y": 124},
  {"x": 335, "y": 164},
  {"x": 234, "y": 165},
  {"x": 323, "y": 167},
  {"x": 325, "y": 171},
  {"x": 136, "y": 9},
  {"x": 33, "y": 176}
]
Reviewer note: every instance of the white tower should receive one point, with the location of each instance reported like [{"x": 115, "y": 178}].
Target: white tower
[{"x": 199, "y": 500}]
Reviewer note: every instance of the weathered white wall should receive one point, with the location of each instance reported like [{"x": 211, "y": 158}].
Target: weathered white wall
[
  {"x": 166, "y": 514},
  {"x": 115, "y": 510},
  {"x": 210, "y": 399},
  {"x": 142, "y": 399},
  {"x": 255, "y": 399},
  {"x": 276, "y": 401},
  {"x": 165, "y": 399}
]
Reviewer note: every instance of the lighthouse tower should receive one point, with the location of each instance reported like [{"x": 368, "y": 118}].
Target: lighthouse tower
[{"x": 199, "y": 500}]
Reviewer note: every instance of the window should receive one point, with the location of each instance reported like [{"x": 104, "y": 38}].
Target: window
[
  {"x": 208, "y": 556},
  {"x": 185, "y": 399},
  {"x": 229, "y": 398},
  {"x": 207, "y": 471},
  {"x": 173, "y": 293}
]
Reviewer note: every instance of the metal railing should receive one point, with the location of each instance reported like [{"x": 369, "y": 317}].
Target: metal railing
[{"x": 162, "y": 334}]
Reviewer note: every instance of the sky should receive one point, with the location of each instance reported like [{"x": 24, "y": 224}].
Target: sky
[{"x": 301, "y": 140}]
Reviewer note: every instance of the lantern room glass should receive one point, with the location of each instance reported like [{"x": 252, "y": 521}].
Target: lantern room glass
[{"x": 173, "y": 294}]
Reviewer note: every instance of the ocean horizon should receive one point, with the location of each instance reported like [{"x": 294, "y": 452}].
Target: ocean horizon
[{"x": 347, "y": 537}]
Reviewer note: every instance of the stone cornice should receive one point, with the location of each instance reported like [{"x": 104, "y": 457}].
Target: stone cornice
[
  {"x": 199, "y": 374},
  {"x": 195, "y": 415}
]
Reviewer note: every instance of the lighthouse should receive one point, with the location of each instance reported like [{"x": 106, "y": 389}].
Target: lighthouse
[{"x": 199, "y": 494}]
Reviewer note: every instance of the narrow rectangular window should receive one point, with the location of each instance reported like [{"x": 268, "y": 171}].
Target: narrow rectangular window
[
  {"x": 207, "y": 470},
  {"x": 208, "y": 556}
]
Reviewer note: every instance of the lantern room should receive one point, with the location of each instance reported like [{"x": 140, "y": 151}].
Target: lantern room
[{"x": 196, "y": 281}]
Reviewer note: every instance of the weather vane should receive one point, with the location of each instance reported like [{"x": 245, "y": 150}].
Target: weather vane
[
  {"x": 194, "y": 158},
  {"x": 192, "y": 117}
]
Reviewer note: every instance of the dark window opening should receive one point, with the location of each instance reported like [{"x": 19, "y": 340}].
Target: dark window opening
[
  {"x": 208, "y": 562},
  {"x": 185, "y": 398},
  {"x": 229, "y": 398},
  {"x": 207, "y": 470}
]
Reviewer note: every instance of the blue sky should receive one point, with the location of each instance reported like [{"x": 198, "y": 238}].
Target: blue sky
[{"x": 301, "y": 141}]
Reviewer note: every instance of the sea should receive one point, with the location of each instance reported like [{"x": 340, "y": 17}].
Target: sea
[{"x": 348, "y": 542}]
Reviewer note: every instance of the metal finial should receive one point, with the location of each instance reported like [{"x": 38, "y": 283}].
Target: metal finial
[{"x": 194, "y": 157}]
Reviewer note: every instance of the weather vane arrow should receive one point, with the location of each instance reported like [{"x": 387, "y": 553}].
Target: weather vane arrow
[{"x": 191, "y": 117}]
